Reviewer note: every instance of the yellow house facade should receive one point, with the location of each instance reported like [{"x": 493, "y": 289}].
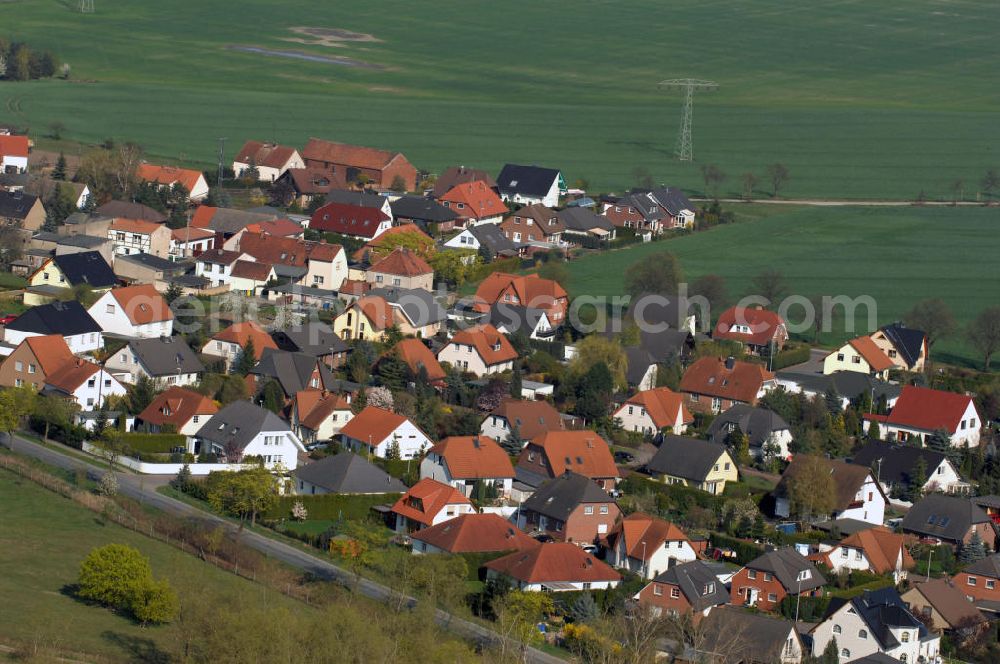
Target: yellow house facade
[
  {"x": 860, "y": 355},
  {"x": 366, "y": 319},
  {"x": 695, "y": 463}
]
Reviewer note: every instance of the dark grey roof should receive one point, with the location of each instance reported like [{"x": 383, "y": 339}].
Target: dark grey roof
[
  {"x": 86, "y": 267},
  {"x": 349, "y": 473},
  {"x": 881, "y": 610},
  {"x": 989, "y": 501},
  {"x": 230, "y": 221},
  {"x": 16, "y": 204},
  {"x": 750, "y": 637},
  {"x": 655, "y": 309},
  {"x": 786, "y": 564},
  {"x": 239, "y": 422},
  {"x": 639, "y": 360},
  {"x": 643, "y": 203},
  {"x": 316, "y": 339},
  {"x": 291, "y": 370},
  {"x": 85, "y": 241},
  {"x": 667, "y": 345},
  {"x": 154, "y": 263},
  {"x": 850, "y": 384},
  {"x": 757, "y": 423},
  {"x": 298, "y": 289},
  {"x": 895, "y": 463},
  {"x": 418, "y": 305},
  {"x": 988, "y": 566},
  {"x": 46, "y": 236},
  {"x": 908, "y": 341},
  {"x": 292, "y": 271},
  {"x": 583, "y": 220},
  {"x": 162, "y": 356},
  {"x": 945, "y": 517},
  {"x": 78, "y": 218},
  {"x": 558, "y": 497},
  {"x": 191, "y": 281},
  {"x": 844, "y": 526},
  {"x": 65, "y": 318},
  {"x": 131, "y": 211},
  {"x": 672, "y": 199},
  {"x": 533, "y": 181},
  {"x": 359, "y": 198},
  {"x": 493, "y": 237},
  {"x": 420, "y": 208},
  {"x": 875, "y": 658},
  {"x": 689, "y": 458},
  {"x": 697, "y": 580},
  {"x": 515, "y": 318}
]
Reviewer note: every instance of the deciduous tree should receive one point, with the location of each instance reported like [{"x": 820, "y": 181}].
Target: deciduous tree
[
  {"x": 658, "y": 273},
  {"x": 779, "y": 175},
  {"x": 934, "y": 317},
  {"x": 984, "y": 334},
  {"x": 810, "y": 488}
]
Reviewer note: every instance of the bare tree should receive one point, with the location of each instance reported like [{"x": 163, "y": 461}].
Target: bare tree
[
  {"x": 932, "y": 316},
  {"x": 990, "y": 182},
  {"x": 984, "y": 334},
  {"x": 713, "y": 177},
  {"x": 778, "y": 174},
  {"x": 129, "y": 158},
  {"x": 770, "y": 284},
  {"x": 957, "y": 191},
  {"x": 749, "y": 182}
]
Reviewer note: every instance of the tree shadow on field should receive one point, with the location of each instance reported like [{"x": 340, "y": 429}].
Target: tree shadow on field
[
  {"x": 138, "y": 649},
  {"x": 647, "y": 146}
]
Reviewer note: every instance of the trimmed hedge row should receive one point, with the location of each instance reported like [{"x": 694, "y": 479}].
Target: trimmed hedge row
[
  {"x": 331, "y": 506},
  {"x": 790, "y": 356},
  {"x": 153, "y": 443},
  {"x": 745, "y": 551}
]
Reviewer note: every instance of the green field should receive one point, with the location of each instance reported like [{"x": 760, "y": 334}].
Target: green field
[
  {"x": 859, "y": 99},
  {"x": 896, "y": 255},
  {"x": 44, "y": 537}
]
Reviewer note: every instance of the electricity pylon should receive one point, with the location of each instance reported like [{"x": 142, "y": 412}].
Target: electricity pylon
[
  {"x": 86, "y": 6},
  {"x": 685, "y": 150}
]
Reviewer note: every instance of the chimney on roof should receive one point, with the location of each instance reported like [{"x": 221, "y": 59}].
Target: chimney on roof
[{"x": 730, "y": 362}]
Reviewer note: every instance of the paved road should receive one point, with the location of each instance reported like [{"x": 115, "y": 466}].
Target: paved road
[
  {"x": 143, "y": 488},
  {"x": 842, "y": 202}
]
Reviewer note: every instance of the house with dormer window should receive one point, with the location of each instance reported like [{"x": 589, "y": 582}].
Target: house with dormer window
[
  {"x": 479, "y": 350},
  {"x": 534, "y": 224},
  {"x": 769, "y": 578}
]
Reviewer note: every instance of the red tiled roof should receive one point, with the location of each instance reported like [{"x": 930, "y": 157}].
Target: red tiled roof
[
  {"x": 882, "y": 547},
  {"x": 354, "y": 287},
  {"x": 377, "y": 246},
  {"x": 189, "y": 233},
  {"x": 315, "y": 406},
  {"x": 929, "y": 410},
  {"x": 14, "y": 146},
  {"x": 474, "y": 457},
  {"x": 315, "y": 181},
  {"x": 874, "y": 356},
  {"x": 167, "y": 175},
  {"x": 143, "y": 304},
  {"x": 554, "y": 562},
  {"x": 710, "y": 376},
  {"x": 318, "y": 149},
  {"x": 532, "y": 418},
  {"x": 71, "y": 375},
  {"x": 134, "y": 226},
  {"x": 50, "y": 350},
  {"x": 244, "y": 269},
  {"x": 640, "y": 529},
  {"x": 285, "y": 250},
  {"x": 377, "y": 310},
  {"x": 348, "y": 219},
  {"x": 544, "y": 219},
  {"x": 239, "y": 333},
  {"x": 374, "y": 424},
  {"x": 268, "y": 155},
  {"x": 662, "y": 405},
  {"x": 490, "y": 344},
  {"x": 416, "y": 355},
  {"x": 402, "y": 262},
  {"x": 530, "y": 290},
  {"x": 476, "y": 533},
  {"x": 584, "y": 452},
  {"x": 202, "y": 216},
  {"x": 426, "y": 498},
  {"x": 219, "y": 256},
  {"x": 177, "y": 406},
  {"x": 762, "y": 323},
  {"x": 278, "y": 227},
  {"x": 478, "y": 200}
]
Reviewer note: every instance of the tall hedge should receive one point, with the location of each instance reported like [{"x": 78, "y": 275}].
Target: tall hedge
[
  {"x": 331, "y": 506},
  {"x": 153, "y": 442}
]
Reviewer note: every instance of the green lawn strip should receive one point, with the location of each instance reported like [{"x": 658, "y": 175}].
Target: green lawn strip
[{"x": 73, "y": 452}]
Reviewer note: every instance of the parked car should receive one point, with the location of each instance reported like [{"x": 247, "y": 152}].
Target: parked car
[
  {"x": 7, "y": 319},
  {"x": 622, "y": 456}
]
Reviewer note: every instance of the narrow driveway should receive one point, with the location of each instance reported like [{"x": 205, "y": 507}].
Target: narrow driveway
[{"x": 143, "y": 488}]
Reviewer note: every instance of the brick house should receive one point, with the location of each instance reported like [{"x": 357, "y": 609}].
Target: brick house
[
  {"x": 694, "y": 587},
  {"x": 760, "y": 331},
  {"x": 981, "y": 579},
  {"x": 950, "y": 519},
  {"x": 766, "y": 580},
  {"x": 555, "y": 453},
  {"x": 570, "y": 508},
  {"x": 529, "y": 291},
  {"x": 30, "y": 364},
  {"x": 351, "y": 162},
  {"x": 713, "y": 384}
]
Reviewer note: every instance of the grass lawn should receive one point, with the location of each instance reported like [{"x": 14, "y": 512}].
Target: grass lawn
[
  {"x": 897, "y": 256},
  {"x": 310, "y": 526},
  {"x": 858, "y": 99},
  {"x": 45, "y": 536}
]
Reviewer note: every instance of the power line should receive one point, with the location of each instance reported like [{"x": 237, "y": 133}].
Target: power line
[
  {"x": 222, "y": 150},
  {"x": 685, "y": 146}
]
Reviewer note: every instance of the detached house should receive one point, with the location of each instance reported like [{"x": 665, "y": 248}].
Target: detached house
[
  {"x": 981, "y": 580},
  {"x": 14, "y": 154},
  {"x": 354, "y": 221},
  {"x": 474, "y": 203},
  {"x": 529, "y": 291},
  {"x": 84, "y": 383},
  {"x": 653, "y": 411},
  {"x": 768, "y": 433},
  {"x": 367, "y": 318},
  {"x": 134, "y": 311},
  {"x": 694, "y": 587},
  {"x": 862, "y": 355},
  {"x": 183, "y": 410},
  {"x": 648, "y": 546},
  {"x": 313, "y": 264},
  {"x": 581, "y": 221},
  {"x": 86, "y": 268},
  {"x": 374, "y": 430},
  {"x": 875, "y": 550},
  {"x": 228, "y": 344},
  {"x": 570, "y": 508},
  {"x": 747, "y": 637},
  {"x": 653, "y": 211},
  {"x": 428, "y": 503},
  {"x": 311, "y": 183},
  {"x": 242, "y": 430},
  {"x": 345, "y": 473},
  {"x": 906, "y": 347},
  {"x": 268, "y": 159},
  {"x": 455, "y": 175},
  {"x": 552, "y": 454},
  {"x": 766, "y": 580},
  {"x": 530, "y": 185},
  {"x": 167, "y": 176},
  {"x": 292, "y": 371},
  {"x": 165, "y": 360},
  {"x": 762, "y": 332},
  {"x": 524, "y": 419},
  {"x": 134, "y": 236},
  {"x": 472, "y": 533},
  {"x": 67, "y": 319},
  {"x": 425, "y": 213},
  {"x": 858, "y": 495},
  {"x": 190, "y": 242},
  {"x": 479, "y": 350},
  {"x": 896, "y": 467},
  {"x": 536, "y": 225},
  {"x": 920, "y": 412},
  {"x": 23, "y": 211},
  {"x": 34, "y": 359},
  {"x": 714, "y": 385},
  {"x": 216, "y": 265},
  {"x": 472, "y": 238},
  {"x": 318, "y": 415},
  {"x": 946, "y": 605},
  {"x": 692, "y": 462},
  {"x": 312, "y": 338},
  {"x": 553, "y": 567},
  {"x": 950, "y": 519},
  {"x": 420, "y": 361},
  {"x": 466, "y": 461},
  {"x": 383, "y": 168},
  {"x": 401, "y": 269}
]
